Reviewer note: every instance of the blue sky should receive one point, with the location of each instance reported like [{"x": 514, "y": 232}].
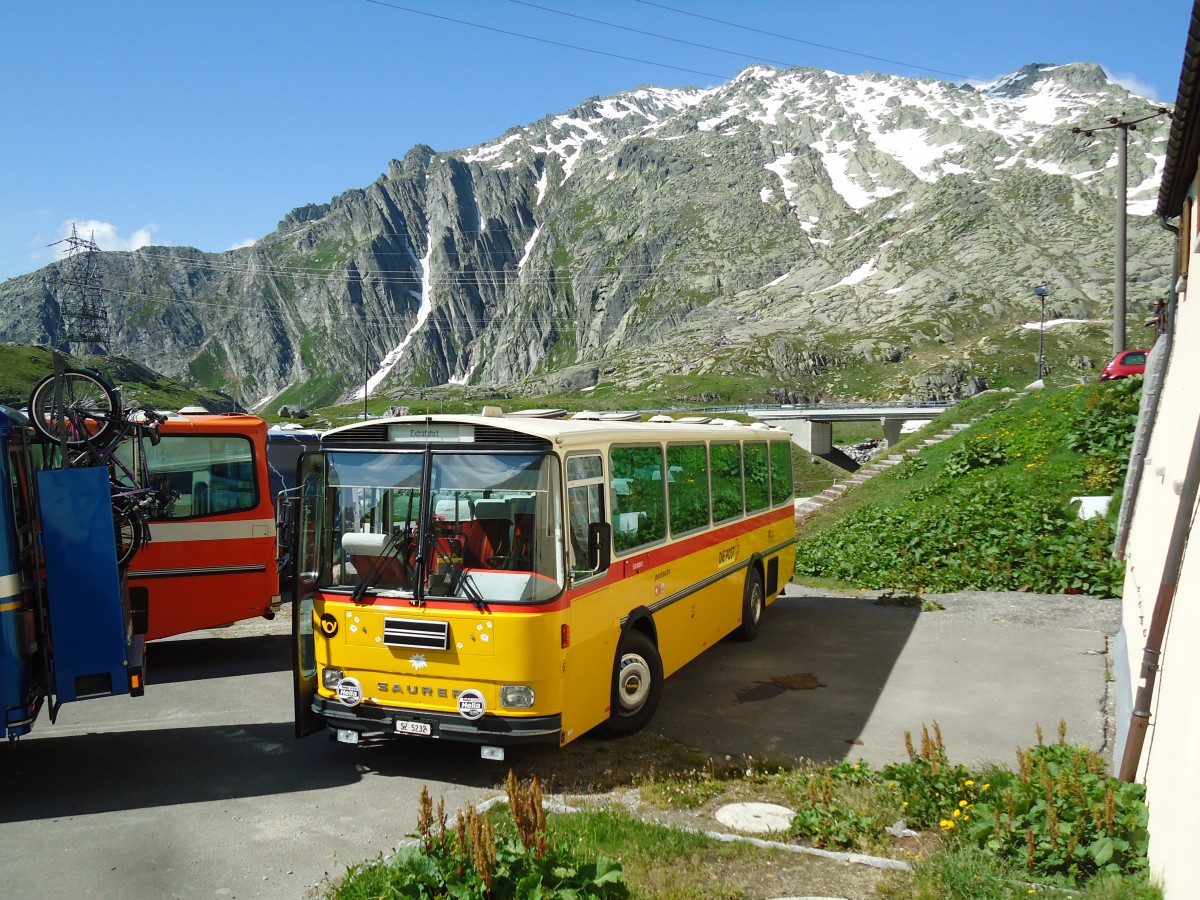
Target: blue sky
[{"x": 204, "y": 123}]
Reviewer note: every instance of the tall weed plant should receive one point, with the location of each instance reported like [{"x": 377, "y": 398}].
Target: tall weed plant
[
  {"x": 1061, "y": 818},
  {"x": 470, "y": 859}
]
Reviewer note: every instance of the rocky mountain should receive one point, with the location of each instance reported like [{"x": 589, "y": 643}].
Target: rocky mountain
[{"x": 793, "y": 234}]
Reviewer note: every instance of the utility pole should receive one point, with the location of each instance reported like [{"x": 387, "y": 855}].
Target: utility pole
[
  {"x": 1123, "y": 126},
  {"x": 1040, "y": 292}
]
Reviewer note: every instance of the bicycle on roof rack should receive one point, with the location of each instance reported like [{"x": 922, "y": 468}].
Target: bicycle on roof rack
[{"x": 81, "y": 412}]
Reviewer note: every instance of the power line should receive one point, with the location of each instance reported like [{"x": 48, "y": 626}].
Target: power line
[
  {"x": 652, "y": 34},
  {"x": 680, "y": 263},
  {"x": 530, "y": 37},
  {"x": 787, "y": 37}
]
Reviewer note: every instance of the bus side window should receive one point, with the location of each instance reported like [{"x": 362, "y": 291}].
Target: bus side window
[
  {"x": 585, "y": 506},
  {"x": 637, "y": 496},
  {"x": 210, "y": 474}
]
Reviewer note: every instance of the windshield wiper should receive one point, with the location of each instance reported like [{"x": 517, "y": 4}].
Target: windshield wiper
[
  {"x": 460, "y": 577},
  {"x": 391, "y": 550},
  {"x": 473, "y": 594}
]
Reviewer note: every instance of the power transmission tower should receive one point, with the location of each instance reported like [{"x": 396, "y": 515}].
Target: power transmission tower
[{"x": 76, "y": 284}]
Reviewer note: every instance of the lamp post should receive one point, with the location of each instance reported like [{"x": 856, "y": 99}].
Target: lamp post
[
  {"x": 1124, "y": 126},
  {"x": 366, "y": 379},
  {"x": 1040, "y": 292}
]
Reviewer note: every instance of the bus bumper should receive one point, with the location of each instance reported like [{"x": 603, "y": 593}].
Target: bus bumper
[{"x": 379, "y": 721}]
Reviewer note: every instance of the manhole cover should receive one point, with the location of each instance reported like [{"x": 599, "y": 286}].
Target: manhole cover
[{"x": 755, "y": 818}]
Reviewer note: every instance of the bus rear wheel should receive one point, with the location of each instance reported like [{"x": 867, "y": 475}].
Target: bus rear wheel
[
  {"x": 753, "y": 603},
  {"x": 637, "y": 685}
]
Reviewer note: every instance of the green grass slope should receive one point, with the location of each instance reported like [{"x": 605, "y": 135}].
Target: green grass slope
[
  {"x": 989, "y": 509},
  {"x": 21, "y": 367}
]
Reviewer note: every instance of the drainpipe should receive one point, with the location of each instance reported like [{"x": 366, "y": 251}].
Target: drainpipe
[
  {"x": 1139, "y": 719},
  {"x": 1156, "y": 371}
]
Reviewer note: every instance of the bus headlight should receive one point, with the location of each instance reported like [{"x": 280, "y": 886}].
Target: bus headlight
[
  {"x": 331, "y": 677},
  {"x": 516, "y": 696}
]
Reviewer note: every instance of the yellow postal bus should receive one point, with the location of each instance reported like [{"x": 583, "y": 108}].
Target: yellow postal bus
[{"x": 500, "y": 579}]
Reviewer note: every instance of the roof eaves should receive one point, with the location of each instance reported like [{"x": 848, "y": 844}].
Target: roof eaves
[{"x": 1183, "y": 145}]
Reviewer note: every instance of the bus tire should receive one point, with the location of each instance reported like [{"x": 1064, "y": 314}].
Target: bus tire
[
  {"x": 753, "y": 603},
  {"x": 637, "y": 685}
]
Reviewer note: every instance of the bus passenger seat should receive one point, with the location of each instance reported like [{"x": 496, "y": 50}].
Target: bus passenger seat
[
  {"x": 522, "y": 515},
  {"x": 489, "y": 535},
  {"x": 364, "y": 551}
]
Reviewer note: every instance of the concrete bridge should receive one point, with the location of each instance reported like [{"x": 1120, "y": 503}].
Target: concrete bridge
[{"x": 812, "y": 427}]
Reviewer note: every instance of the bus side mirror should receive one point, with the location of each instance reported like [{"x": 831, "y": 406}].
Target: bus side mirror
[{"x": 599, "y": 546}]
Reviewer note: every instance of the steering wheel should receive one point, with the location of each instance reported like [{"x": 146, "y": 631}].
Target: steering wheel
[{"x": 502, "y": 562}]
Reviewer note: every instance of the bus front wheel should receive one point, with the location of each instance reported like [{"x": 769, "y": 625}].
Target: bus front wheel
[
  {"x": 753, "y": 602},
  {"x": 637, "y": 685}
]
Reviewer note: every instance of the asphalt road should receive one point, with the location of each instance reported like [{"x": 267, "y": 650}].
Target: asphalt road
[{"x": 198, "y": 789}]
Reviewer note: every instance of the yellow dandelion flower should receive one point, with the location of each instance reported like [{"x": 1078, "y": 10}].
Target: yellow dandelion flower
[
  {"x": 962, "y": 802},
  {"x": 969, "y": 782},
  {"x": 957, "y": 813},
  {"x": 985, "y": 786}
]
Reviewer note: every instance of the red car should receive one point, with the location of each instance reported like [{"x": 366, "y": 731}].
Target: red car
[{"x": 1124, "y": 364}]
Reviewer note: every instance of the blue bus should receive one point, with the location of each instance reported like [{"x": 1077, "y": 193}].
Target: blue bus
[{"x": 69, "y": 629}]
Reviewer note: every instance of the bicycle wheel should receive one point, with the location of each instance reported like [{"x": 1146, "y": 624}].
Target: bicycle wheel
[
  {"x": 129, "y": 530},
  {"x": 87, "y": 411}
]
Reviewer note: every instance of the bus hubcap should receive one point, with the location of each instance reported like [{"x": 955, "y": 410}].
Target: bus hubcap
[{"x": 634, "y": 682}]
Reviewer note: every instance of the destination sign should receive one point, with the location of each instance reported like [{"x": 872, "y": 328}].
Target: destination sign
[{"x": 431, "y": 432}]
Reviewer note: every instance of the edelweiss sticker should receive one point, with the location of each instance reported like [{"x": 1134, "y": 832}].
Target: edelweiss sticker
[{"x": 417, "y": 661}]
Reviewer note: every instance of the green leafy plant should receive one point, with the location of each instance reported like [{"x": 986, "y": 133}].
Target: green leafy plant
[
  {"x": 1103, "y": 430},
  {"x": 912, "y": 466},
  {"x": 933, "y": 792},
  {"x": 469, "y": 859},
  {"x": 831, "y": 824},
  {"x": 982, "y": 452},
  {"x": 1059, "y": 816}
]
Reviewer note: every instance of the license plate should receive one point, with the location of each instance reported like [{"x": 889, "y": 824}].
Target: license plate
[{"x": 424, "y": 728}]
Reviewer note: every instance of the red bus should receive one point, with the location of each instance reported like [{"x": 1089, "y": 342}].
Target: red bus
[{"x": 211, "y": 560}]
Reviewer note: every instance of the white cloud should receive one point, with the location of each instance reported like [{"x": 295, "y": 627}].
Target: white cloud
[
  {"x": 248, "y": 242},
  {"x": 1133, "y": 84},
  {"x": 105, "y": 235}
]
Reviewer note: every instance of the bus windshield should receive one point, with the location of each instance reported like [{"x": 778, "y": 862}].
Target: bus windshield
[{"x": 482, "y": 527}]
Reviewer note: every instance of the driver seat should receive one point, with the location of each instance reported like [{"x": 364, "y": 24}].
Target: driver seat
[{"x": 490, "y": 534}]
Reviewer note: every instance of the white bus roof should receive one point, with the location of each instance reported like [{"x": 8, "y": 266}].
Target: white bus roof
[{"x": 569, "y": 431}]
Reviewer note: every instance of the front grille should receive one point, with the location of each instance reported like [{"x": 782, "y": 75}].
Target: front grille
[
  {"x": 419, "y": 633},
  {"x": 363, "y": 434},
  {"x": 377, "y": 433},
  {"x": 489, "y": 434}
]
